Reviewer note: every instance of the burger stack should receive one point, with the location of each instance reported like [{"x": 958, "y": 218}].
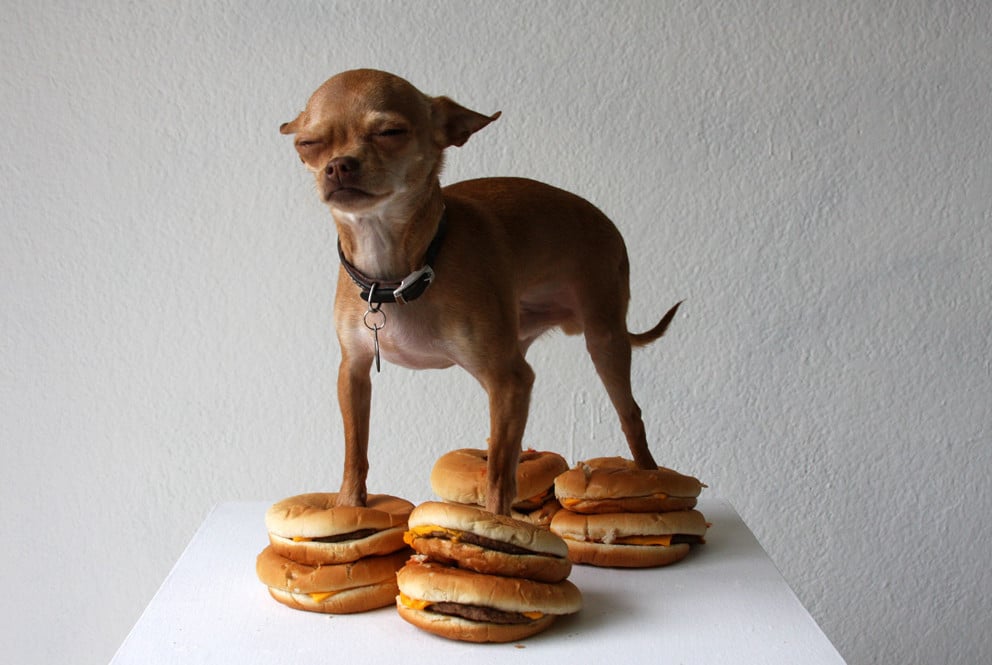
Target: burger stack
[
  {"x": 460, "y": 477},
  {"x": 334, "y": 559},
  {"x": 482, "y": 577},
  {"x": 615, "y": 514}
]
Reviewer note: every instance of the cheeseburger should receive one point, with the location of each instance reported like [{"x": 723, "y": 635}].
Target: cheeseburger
[
  {"x": 341, "y": 588},
  {"x": 617, "y": 485},
  {"x": 630, "y": 540},
  {"x": 313, "y": 530},
  {"x": 473, "y": 538},
  {"x": 460, "y": 477},
  {"x": 464, "y": 605}
]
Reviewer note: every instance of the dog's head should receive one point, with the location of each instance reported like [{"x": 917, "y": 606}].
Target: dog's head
[{"x": 372, "y": 140}]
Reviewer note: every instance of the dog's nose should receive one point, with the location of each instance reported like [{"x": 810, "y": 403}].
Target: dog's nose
[{"x": 339, "y": 166}]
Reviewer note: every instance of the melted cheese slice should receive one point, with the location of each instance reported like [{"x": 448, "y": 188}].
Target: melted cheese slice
[
  {"x": 411, "y": 603},
  {"x": 321, "y": 597},
  {"x": 415, "y": 604},
  {"x": 568, "y": 502},
  {"x": 420, "y": 531}
]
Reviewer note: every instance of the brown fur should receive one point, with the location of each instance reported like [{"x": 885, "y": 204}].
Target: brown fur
[{"x": 519, "y": 257}]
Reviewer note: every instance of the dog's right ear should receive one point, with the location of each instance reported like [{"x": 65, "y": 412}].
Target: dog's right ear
[
  {"x": 292, "y": 126},
  {"x": 454, "y": 124}
]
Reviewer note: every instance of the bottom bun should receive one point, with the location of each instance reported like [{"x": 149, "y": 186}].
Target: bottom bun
[
  {"x": 349, "y": 601},
  {"x": 625, "y": 556},
  {"x": 465, "y": 630}
]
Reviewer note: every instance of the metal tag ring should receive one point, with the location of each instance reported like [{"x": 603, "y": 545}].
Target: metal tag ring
[{"x": 377, "y": 323}]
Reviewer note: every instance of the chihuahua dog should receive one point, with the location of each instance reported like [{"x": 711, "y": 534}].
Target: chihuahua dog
[{"x": 469, "y": 275}]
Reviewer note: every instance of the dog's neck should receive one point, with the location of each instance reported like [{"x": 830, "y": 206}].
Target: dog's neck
[{"x": 390, "y": 242}]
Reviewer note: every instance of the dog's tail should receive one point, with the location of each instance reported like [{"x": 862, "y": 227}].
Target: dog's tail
[{"x": 641, "y": 339}]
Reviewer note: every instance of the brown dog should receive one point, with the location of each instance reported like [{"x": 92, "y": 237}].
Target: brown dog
[{"x": 513, "y": 258}]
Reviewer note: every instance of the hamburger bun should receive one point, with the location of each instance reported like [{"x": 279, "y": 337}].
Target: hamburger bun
[
  {"x": 460, "y": 477},
  {"x": 616, "y": 485},
  {"x": 311, "y": 529},
  {"x": 475, "y": 539},
  {"x": 342, "y": 588},
  {"x": 463, "y": 605},
  {"x": 630, "y": 540}
]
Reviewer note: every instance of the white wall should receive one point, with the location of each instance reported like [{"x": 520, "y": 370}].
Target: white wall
[{"x": 813, "y": 177}]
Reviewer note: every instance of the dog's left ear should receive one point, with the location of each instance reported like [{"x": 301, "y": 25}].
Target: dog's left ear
[{"x": 453, "y": 123}]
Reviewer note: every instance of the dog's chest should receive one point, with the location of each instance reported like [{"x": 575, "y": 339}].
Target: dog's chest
[{"x": 409, "y": 343}]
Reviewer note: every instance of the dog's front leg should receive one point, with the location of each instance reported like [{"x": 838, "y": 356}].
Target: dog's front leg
[
  {"x": 509, "y": 389},
  {"x": 355, "y": 400}
]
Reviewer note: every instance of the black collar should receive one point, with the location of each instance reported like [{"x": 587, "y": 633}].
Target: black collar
[{"x": 407, "y": 289}]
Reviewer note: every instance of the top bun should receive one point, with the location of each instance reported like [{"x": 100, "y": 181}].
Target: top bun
[
  {"x": 617, "y": 478},
  {"x": 460, "y": 475},
  {"x": 316, "y": 515}
]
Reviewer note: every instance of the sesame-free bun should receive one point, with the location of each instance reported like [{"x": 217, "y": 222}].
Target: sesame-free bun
[
  {"x": 335, "y": 589},
  {"x": 615, "y": 485},
  {"x": 431, "y": 595},
  {"x": 349, "y": 601},
  {"x": 629, "y": 540},
  {"x": 625, "y": 556},
  {"x": 474, "y": 538},
  {"x": 312, "y": 529},
  {"x": 466, "y": 630},
  {"x": 460, "y": 476}
]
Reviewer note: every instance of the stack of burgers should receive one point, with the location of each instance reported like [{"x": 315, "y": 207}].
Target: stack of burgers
[
  {"x": 618, "y": 515},
  {"x": 481, "y": 577},
  {"x": 334, "y": 559},
  {"x": 460, "y": 477}
]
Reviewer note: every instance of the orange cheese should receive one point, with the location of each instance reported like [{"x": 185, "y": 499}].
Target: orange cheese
[
  {"x": 301, "y": 539},
  {"x": 420, "y": 531},
  {"x": 322, "y": 596},
  {"x": 411, "y": 603},
  {"x": 415, "y": 604},
  {"x": 568, "y": 502}
]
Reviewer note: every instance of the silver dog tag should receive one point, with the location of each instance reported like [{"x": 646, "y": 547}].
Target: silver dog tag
[{"x": 375, "y": 324}]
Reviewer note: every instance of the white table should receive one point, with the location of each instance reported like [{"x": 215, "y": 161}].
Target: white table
[{"x": 725, "y": 603}]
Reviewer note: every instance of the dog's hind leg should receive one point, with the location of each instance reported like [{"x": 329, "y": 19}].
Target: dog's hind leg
[{"x": 609, "y": 346}]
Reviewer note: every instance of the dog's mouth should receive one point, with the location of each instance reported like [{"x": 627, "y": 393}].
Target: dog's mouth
[{"x": 347, "y": 196}]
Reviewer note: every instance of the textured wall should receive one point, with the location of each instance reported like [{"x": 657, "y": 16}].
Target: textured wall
[{"x": 812, "y": 177}]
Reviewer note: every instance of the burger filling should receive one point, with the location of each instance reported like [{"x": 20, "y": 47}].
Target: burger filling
[
  {"x": 570, "y": 501},
  {"x": 535, "y": 502},
  {"x": 663, "y": 541},
  {"x": 458, "y": 536},
  {"x": 471, "y": 612},
  {"x": 337, "y": 538}
]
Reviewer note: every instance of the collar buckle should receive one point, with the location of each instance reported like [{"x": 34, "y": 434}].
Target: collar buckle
[{"x": 414, "y": 285}]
